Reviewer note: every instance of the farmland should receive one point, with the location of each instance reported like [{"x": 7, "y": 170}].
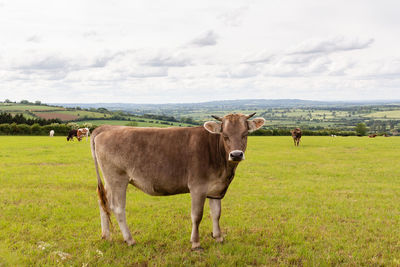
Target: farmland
[
  {"x": 82, "y": 117},
  {"x": 379, "y": 116},
  {"x": 279, "y": 114},
  {"x": 331, "y": 201}
]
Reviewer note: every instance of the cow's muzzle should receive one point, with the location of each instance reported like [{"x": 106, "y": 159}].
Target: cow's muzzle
[{"x": 236, "y": 155}]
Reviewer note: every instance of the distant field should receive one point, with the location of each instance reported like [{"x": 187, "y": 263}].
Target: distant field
[
  {"x": 71, "y": 115},
  {"x": 379, "y": 118},
  {"x": 329, "y": 202},
  {"x": 139, "y": 124},
  {"x": 55, "y": 115},
  {"x": 19, "y": 107},
  {"x": 83, "y": 113},
  {"x": 390, "y": 114}
]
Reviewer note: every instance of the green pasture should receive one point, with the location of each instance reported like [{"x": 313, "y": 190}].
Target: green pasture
[
  {"x": 331, "y": 201},
  {"x": 84, "y": 113},
  {"x": 389, "y": 114}
]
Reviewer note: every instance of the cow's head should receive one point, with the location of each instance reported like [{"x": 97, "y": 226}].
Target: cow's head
[{"x": 234, "y": 129}]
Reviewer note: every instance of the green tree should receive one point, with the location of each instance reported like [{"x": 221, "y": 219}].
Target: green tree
[
  {"x": 361, "y": 129},
  {"x": 132, "y": 123}
]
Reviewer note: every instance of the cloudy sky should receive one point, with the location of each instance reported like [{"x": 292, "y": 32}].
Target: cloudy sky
[{"x": 191, "y": 51}]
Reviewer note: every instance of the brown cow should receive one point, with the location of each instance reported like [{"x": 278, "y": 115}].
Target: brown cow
[
  {"x": 372, "y": 135},
  {"x": 168, "y": 161},
  {"x": 296, "y": 134},
  {"x": 82, "y": 132},
  {"x": 71, "y": 135}
]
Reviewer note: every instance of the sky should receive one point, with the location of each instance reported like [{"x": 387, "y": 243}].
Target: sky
[{"x": 194, "y": 51}]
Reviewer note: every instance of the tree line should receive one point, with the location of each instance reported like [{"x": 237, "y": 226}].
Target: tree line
[
  {"x": 20, "y": 119},
  {"x": 63, "y": 129}
]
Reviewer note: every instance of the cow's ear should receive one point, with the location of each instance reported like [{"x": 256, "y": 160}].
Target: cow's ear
[
  {"x": 255, "y": 124},
  {"x": 213, "y": 127}
]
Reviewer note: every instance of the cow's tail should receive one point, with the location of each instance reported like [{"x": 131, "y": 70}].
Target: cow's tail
[{"x": 101, "y": 191}]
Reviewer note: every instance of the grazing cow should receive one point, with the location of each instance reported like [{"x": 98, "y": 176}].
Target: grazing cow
[
  {"x": 168, "y": 161},
  {"x": 71, "y": 135},
  {"x": 372, "y": 135},
  {"x": 51, "y": 133},
  {"x": 83, "y": 132},
  {"x": 296, "y": 134}
]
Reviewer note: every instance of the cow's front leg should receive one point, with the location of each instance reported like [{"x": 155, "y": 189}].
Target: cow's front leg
[
  {"x": 198, "y": 199},
  {"x": 215, "y": 207}
]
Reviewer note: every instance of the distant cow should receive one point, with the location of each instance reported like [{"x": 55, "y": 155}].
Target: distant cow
[
  {"x": 296, "y": 134},
  {"x": 168, "y": 161},
  {"x": 71, "y": 135},
  {"x": 372, "y": 135},
  {"x": 83, "y": 132},
  {"x": 51, "y": 133}
]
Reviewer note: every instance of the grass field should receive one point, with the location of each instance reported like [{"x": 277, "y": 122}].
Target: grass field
[
  {"x": 83, "y": 113},
  {"x": 331, "y": 201},
  {"x": 390, "y": 114}
]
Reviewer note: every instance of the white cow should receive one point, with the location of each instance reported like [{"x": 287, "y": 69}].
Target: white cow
[{"x": 51, "y": 133}]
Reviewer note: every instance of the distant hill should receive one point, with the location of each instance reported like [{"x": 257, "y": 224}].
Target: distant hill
[{"x": 179, "y": 109}]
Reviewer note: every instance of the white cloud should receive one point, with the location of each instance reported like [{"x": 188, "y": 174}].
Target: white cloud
[
  {"x": 337, "y": 44},
  {"x": 262, "y": 56},
  {"x": 167, "y": 59},
  {"x": 242, "y": 71},
  {"x": 48, "y": 62},
  {"x": 34, "y": 39},
  {"x": 89, "y": 34},
  {"x": 208, "y": 38},
  {"x": 151, "y": 52},
  {"x": 233, "y": 17}
]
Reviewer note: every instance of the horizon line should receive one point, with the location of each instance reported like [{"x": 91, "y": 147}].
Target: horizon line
[{"x": 249, "y": 99}]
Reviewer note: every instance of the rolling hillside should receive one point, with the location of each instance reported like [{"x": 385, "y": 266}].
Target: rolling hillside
[{"x": 84, "y": 116}]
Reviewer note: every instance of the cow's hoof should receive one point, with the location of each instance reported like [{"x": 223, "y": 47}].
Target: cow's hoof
[
  {"x": 130, "y": 242},
  {"x": 197, "y": 249},
  {"x": 219, "y": 239},
  {"x": 196, "y": 246},
  {"x": 106, "y": 237}
]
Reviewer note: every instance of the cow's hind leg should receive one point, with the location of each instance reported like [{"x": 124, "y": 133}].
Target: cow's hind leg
[
  {"x": 116, "y": 185},
  {"x": 215, "y": 207},
  {"x": 105, "y": 223},
  {"x": 117, "y": 205},
  {"x": 198, "y": 199}
]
